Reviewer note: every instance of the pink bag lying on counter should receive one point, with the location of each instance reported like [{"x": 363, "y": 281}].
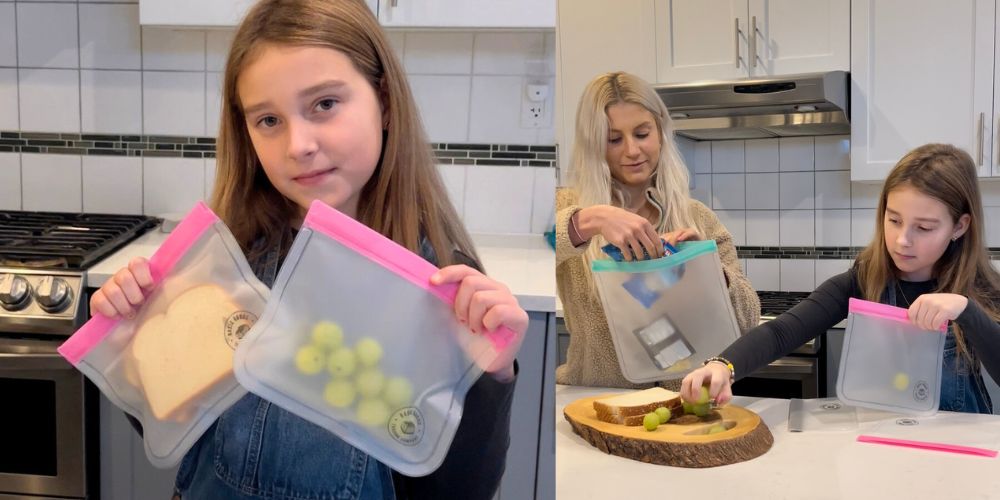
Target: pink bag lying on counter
[
  {"x": 171, "y": 366},
  {"x": 356, "y": 340}
]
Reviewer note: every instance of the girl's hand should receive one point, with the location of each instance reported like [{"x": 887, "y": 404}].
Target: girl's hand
[
  {"x": 931, "y": 310},
  {"x": 124, "y": 292},
  {"x": 623, "y": 229},
  {"x": 686, "y": 234},
  {"x": 716, "y": 376},
  {"x": 484, "y": 305}
]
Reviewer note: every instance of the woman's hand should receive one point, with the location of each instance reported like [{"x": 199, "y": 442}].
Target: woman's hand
[
  {"x": 484, "y": 305},
  {"x": 686, "y": 234},
  {"x": 124, "y": 292},
  {"x": 716, "y": 376},
  {"x": 630, "y": 232},
  {"x": 931, "y": 310}
]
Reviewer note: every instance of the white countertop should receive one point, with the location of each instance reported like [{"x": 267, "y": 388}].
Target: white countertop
[
  {"x": 813, "y": 465},
  {"x": 525, "y": 263}
]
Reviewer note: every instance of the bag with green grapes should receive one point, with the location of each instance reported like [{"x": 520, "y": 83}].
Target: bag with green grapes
[{"x": 356, "y": 340}]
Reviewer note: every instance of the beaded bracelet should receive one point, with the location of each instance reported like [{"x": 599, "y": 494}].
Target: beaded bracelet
[{"x": 729, "y": 364}]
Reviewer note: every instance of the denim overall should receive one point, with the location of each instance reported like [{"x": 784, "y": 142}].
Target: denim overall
[
  {"x": 256, "y": 450},
  {"x": 962, "y": 386}
]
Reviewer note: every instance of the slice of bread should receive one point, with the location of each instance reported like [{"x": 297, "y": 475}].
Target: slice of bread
[
  {"x": 629, "y": 409},
  {"x": 183, "y": 353}
]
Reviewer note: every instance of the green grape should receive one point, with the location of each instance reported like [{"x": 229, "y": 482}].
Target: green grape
[
  {"x": 688, "y": 407},
  {"x": 309, "y": 360},
  {"x": 704, "y": 396},
  {"x": 370, "y": 382},
  {"x": 715, "y": 429},
  {"x": 650, "y": 421},
  {"x": 369, "y": 351},
  {"x": 702, "y": 409},
  {"x": 901, "y": 381},
  {"x": 342, "y": 362},
  {"x": 398, "y": 392},
  {"x": 339, "y": 393},
  {"x": 663, "y": 413},
  {"x": 373, "y": 412},
  {"x": 327, "y": 335}
]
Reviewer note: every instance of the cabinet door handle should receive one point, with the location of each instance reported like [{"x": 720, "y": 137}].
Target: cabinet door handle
[
  {"x": 736, "y": 39},
  {"x": 753, "y": 41},
  {"x": 979, "y": 139}
]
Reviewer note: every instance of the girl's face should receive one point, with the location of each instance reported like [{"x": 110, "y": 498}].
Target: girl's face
[
  {"x": 918, "y": 229},
  {"x": 633, "y": 144},
  {"x": 315, "y": 123}
]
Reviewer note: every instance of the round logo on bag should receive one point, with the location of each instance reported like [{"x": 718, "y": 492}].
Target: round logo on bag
[
  {"x": 406, "y": 426},
  {"x": 237, "y": 325},
  {"x": 921, "y": 391}
]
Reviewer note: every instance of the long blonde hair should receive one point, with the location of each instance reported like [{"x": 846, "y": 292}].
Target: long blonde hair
[
  {"x": 948, "y": 175},
  {"x": 404, "y": 199},
  {"x": 591, "y": 175}
]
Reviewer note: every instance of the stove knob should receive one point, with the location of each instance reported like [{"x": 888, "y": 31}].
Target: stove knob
[
  {"x": 53, "y": 294},
  {"x": 14, "y": 292}
]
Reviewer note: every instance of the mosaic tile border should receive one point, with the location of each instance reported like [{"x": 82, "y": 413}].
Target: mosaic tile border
[
  {"x": 204, "y": 147},
  {"x": 815, "y": 253}
]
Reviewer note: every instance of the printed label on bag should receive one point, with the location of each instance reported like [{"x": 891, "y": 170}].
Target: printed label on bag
[
  {"x": 921, "y": 391},
  {"x": 237, "y": 325},
  {"x": 407, "y": 426}
]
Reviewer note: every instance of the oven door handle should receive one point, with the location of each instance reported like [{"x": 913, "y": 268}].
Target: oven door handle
[{"x": 17, "y": 355}]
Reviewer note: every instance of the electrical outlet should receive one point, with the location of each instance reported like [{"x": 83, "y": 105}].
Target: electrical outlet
[{"x": 532, "y": 113}]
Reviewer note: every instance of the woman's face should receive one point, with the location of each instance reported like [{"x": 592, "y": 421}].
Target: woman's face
[
  {"x": 918, "y": 229},
  {"x": 633, "y": 144},
  {"x": 315, "y": 123}
]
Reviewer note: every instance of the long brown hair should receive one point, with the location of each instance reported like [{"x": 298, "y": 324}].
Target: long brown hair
[
  {"x": 404, "y": 199},
  {"x": 948, "y": 175}
]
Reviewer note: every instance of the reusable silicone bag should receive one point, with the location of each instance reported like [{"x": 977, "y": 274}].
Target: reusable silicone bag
[
  {"x": 962, "y": 433},
  {"x": 170, "y": 366},
  {"x": 888, "y": 363},
  {"x": 356, "y": 340},
  {"x": 666, "y": 315}
]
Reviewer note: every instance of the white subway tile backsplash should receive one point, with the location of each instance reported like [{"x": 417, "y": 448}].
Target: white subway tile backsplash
[
  {"x": 50, "y": 100},
  {"x": 173, "y": 49},
  {"x": 111, "y": 101},
  {"x": 865, "y": 195},
  {"x": 702, "y": 158},
  {"x": 828, "y": 268},
  {"x": 735, "y": 222},
  {"x": 728, "y": 191},
  {"x": 50, "y": 183},
  {"x": 492, "y": 118},
  {"x": 444, "y": 106},
  {"x": 397, "y": 39},
  {"x": 210, "y": 167},
  {"x": 438, "y": 53},
  {"x": 764, "y": 274},
  {"x": 112, "y": 185},
  {"x": 990, "y": 192},
  {"x": 496, "y": 199},
  {"x": 833, "y": 228},
  {"x": 508, "y": 53},
  {"x": 763, "y": 228},
  {"x": 702, "y": 190},
  {"x": 797, "y": 275},
  {"x": 8, "y": 99},
  {"x": 173, "y": 103},
  {"x": 796, "y": 190},
  {"x": 762, "y": 191},
  {"x": 453, "y": 177},
  {"x": 833, "y": 189},
  {"x": 762, "y": 155},
  {"x": 798, "y": 228},
  {"x": 992, "y": 216},
  {"x": 8, "y": 35},
  {"x": 833, "y": 152},
  {"x": 217, "y": 44},
  {"x": 543, "y": 202},
  {"x": 796, "y": 154},
  {"x": 172, "y": 185},
  {"x": 10, "y": 181},
  {"x": 550, "y": 52},
  {"x": 109, "y": 36},
  {"x": 862, "y": 226},
  {"x": 47, "y": 35},
  {"x": 727, "y": 156},
  {"x": 213, "y": 102}
]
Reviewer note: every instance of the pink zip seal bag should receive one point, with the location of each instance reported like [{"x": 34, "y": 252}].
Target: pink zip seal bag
[
  {"x": 356, "y": 340},
  {"x": 170, "y": 366},
  {"x": 888, "y": 363}
]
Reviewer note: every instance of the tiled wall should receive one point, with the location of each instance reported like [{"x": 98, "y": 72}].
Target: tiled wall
[
  {"x": 89, "y": 68},
  {"x": 792, "y": 195}
]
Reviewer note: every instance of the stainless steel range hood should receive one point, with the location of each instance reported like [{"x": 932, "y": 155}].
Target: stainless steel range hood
[{"x": 792, "y": 105}]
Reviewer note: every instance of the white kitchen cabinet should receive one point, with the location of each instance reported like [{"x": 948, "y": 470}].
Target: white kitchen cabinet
[
  {"x": 922, "y": 71},
  {"x": 200, "y": 13},
  {"x": 467, "y": 13},
  {"x": 731, "y": 39}
]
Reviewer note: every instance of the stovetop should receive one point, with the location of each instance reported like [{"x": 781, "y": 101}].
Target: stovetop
[{"x": 775, "y": 303}]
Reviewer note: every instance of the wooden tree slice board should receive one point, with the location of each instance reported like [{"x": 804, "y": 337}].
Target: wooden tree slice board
[{"x": 682, "y": 442}]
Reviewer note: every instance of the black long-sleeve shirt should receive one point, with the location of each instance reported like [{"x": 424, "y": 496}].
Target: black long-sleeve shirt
[{"x": 827, "y": 306}]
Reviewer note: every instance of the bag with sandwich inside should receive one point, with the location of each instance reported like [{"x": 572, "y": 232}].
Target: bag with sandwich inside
[
  {"x": 170, "y": 366},
  {"x": 356, "y": 340}
]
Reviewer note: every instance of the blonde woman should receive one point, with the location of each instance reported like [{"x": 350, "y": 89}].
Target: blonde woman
[{"x": 629, "y": 187}]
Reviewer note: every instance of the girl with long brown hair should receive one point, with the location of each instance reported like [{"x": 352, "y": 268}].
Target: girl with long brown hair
[
  {"x": 316, "y": 107},
  {"x": 928, "y": 255}
]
